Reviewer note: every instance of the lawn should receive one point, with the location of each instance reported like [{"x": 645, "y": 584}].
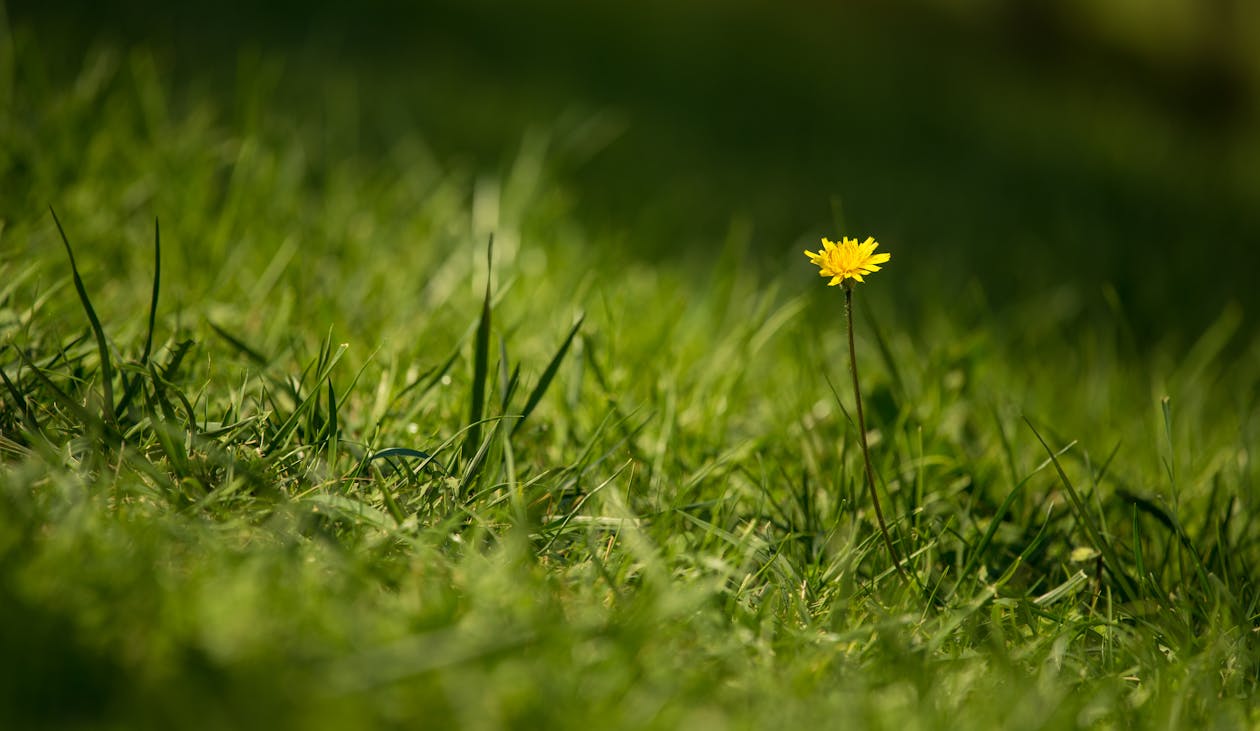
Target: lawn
[{"x": 340, "y": 393}]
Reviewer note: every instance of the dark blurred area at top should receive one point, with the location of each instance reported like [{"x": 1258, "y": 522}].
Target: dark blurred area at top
[{"x": 1030, "y": 146}]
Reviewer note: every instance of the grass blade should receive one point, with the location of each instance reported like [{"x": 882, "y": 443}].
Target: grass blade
[
  {"x": 1138, "y": 560},
  {"x": 165, "y": 429},
  {"x": 334, "y": 427},
  {"x": 427, "y": 380},
  {"x": 294, "y": 419},
  {"x": 157, "y": 285},
  {"x": 1074, "y": 582},
  {"x": 132, "y": 385},
  {"x": 508, "y": 381},
  {"x": 481, "y": 365},
  {"x": 249, "y": 352},
  {"x": 1094, "y": 532},
  {"x": 107, "y": 369},
  {"x": 996, "y": 521},
  {"x": 549, "y": 373},
  {"x": 21, "y": 402},
  {"x": 85, "y": 417}
]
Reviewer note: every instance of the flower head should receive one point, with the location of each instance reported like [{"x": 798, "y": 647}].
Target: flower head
[{"x": 847, "y": 259}]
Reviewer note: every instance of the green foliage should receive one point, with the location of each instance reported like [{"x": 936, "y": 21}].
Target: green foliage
[{"x": 316, "y": 461}]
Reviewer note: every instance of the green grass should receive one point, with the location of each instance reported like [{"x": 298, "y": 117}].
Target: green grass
[{"x": 312, "y": 458}]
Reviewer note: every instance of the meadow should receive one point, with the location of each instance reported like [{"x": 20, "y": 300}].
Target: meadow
[{"x": 317, "y": 415}]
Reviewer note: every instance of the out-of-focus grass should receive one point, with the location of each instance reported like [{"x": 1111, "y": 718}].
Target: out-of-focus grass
[
  {"x": 676, "y": 536},
  {"x": 1026, "y": 150}
]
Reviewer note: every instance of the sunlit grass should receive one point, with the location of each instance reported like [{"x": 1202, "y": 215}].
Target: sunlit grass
[{"x": 320, "y": 457}]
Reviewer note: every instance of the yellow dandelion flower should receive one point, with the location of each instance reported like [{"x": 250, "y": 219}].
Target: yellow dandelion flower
[
  {"x": 843, "y": 261},
  {"x": 847, "y": 259}
]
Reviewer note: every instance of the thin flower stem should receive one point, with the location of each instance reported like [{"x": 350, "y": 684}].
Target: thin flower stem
[{"x": 866, "y": 451}]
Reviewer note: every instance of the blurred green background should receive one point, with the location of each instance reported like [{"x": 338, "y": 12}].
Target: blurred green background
[{"x": 1104, "y": 156}]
